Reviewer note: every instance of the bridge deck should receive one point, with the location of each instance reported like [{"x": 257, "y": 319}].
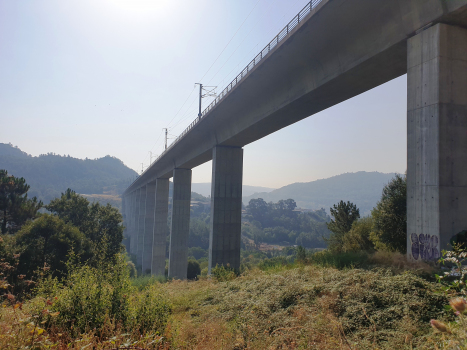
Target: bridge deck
[{"x": 341, "y": 49}]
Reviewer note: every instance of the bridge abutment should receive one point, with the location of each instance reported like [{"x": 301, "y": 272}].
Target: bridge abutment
[
  {"x": 180, "y": 225},
  {"x": 160, "y": 227},
  {"x": 226, "y": 207},
  {"x": 436, "y": 139}
]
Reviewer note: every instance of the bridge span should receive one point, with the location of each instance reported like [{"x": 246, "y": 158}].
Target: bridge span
[{"x": 332, "y": 51}]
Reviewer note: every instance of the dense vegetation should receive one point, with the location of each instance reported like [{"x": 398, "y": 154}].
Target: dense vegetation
[
  {"x": 65, "y": 283},
  {"x": 279, "y": 223},
  {"x": 362, "y": 188},
  {"x": 51, "y": 174}
]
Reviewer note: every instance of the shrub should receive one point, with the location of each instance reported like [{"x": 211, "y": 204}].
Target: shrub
[
  {"x": 193, "y": 269},
  {"x": 327, "y": 258},
  {"x": 272, "y": 263},
  {"x": 96, "y": 297},
  {"x": 47, "y": 241},
  {"x": 150, "y": 311},
  {"x": 358, "y": 238},
  {"x": 222, "y": 274}
]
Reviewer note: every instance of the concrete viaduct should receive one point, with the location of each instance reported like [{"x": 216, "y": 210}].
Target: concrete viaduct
[{"x": 332, "y": 51}]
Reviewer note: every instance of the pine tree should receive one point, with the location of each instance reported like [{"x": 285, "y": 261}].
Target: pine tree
[{"x": 15, "y": 207}]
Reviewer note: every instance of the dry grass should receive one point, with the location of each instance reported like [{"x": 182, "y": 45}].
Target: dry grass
[
  {"x": 307, "y": 307},
  {"x": 303, "y": 308}
]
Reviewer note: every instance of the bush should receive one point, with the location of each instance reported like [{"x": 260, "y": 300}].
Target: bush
[
  {"x": 358, "y": 238},
  {"x": 150, "y": 311},
  {"x": 273, "y": 263},
  {"x": 327, "y": 258},
  {"x": 193, "y": 269},
  {"x": 223, "y": 274},
  {"x": 47, "y": 241},
  {"x": 95, "y": 297}
]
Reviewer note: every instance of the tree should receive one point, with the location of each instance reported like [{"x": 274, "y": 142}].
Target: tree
[
  {"x": 47, "y": 241},
  {"x": 358, "y": 238},
  {"x": 100, "y": 224},
  {"x": 301, "y": 254},
  {"x": 193, "y": 269},
  {"x": 344, "y": 215},
  {"x": 15, "y": 207},
  {"x": 258, "y": 209},
  {"x": 390, "y": 217}
]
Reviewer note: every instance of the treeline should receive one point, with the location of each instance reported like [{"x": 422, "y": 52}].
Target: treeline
[
  {"x": 51, "y": 174},
  {"x": 280, "y": 223}
]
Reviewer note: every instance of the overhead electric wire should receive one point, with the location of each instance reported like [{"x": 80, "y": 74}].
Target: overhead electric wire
[
  {"x": 181, "y": 106},
  {"x": 230, "y": 40},
  {"x": 188, "y": 111},
  {"x": 208, "y": 101},
  {"x": 244, "y": 38},
  {"x": 248, "y": 54}
]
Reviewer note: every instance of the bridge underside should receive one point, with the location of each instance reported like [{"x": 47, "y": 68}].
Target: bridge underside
[{"x": 342, "y": 49}]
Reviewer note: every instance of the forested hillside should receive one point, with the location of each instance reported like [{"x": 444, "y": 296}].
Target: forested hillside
[
  {"x": 362, "y": 188},
  {"x": 51, "y": 174}
]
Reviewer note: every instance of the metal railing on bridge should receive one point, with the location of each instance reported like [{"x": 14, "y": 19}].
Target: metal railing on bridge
[{"x": 259, "y": 57}]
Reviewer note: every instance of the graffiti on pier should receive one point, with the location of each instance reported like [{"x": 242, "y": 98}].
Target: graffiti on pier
[{"x": 424, "y": 246}]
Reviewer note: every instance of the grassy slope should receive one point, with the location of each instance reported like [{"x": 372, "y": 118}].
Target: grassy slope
[
  {"x": 287, "y": 307},
  {"x": 304, "y": 307}
]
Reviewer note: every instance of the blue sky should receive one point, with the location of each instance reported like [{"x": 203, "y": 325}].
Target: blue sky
[{"x": 95, "y": 77}]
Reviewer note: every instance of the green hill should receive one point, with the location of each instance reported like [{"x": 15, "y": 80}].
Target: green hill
[
  {"x": 51, "y": 174},
  {"x": 362, "y": 188}
]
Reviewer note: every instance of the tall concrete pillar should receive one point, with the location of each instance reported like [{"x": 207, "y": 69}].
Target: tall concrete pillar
[
  {"x": 226, "y": 207},
  {"x": 134, "y": 222},
  {"x": 148, "y": 234},
  {"x": 140, "y": 231},
  {"x": 126, "y": 238},
  {"x": 436, "y": 139},
  {"x": 180, "y": 226},
  {"x": 160, "y": 227}
]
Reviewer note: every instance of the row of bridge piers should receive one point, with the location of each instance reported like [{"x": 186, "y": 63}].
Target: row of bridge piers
[
  {"x": 436, "y": 66},
  {"x": 146, "y": 213}
]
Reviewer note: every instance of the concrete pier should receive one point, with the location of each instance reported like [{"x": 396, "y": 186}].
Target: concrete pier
[
  {"x": 150, "y": 205},
  {"x": 436, "y": 139},
  {"x": 126, "y": 240},
  {"x": 134, "y": 222},
  {"x": 160, "y": 227},
  {"x": 226, "y": 207},
  {"x": 141, "y": 221},
  {"x": 180, "y": 225}
]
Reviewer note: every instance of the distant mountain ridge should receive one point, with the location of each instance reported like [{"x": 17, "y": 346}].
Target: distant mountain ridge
[
  {"x": 361, "y": 188},
  {"x": 204, "y": 188},
  {"x": 51, "y": 174}
]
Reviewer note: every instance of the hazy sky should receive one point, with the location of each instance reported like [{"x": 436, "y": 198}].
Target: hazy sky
[{"x": 90, "y": 78}]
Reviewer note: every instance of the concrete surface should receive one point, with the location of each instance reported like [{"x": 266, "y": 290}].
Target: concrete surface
[
  {"x": 161, "y": 229},
  {"x": 148, "y": 236},
  {"x": 180, "y": 225},
  {"x": 141, "y": 198},
  {"x": 437, "y": 141},
  {"x": 226, "y": 207}
]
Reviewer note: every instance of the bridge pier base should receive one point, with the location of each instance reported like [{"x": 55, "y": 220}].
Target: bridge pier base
[
  {"x": 148, "y": 236},
  {"x": 180, "y": 226},
  {"x": 226, "y": 207},
  {"x": 436, "y": 139},
  {"x": 160, "y": 227}
]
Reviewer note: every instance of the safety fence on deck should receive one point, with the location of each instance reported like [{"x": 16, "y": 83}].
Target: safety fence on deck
[{"x": 259, "y": 57}]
